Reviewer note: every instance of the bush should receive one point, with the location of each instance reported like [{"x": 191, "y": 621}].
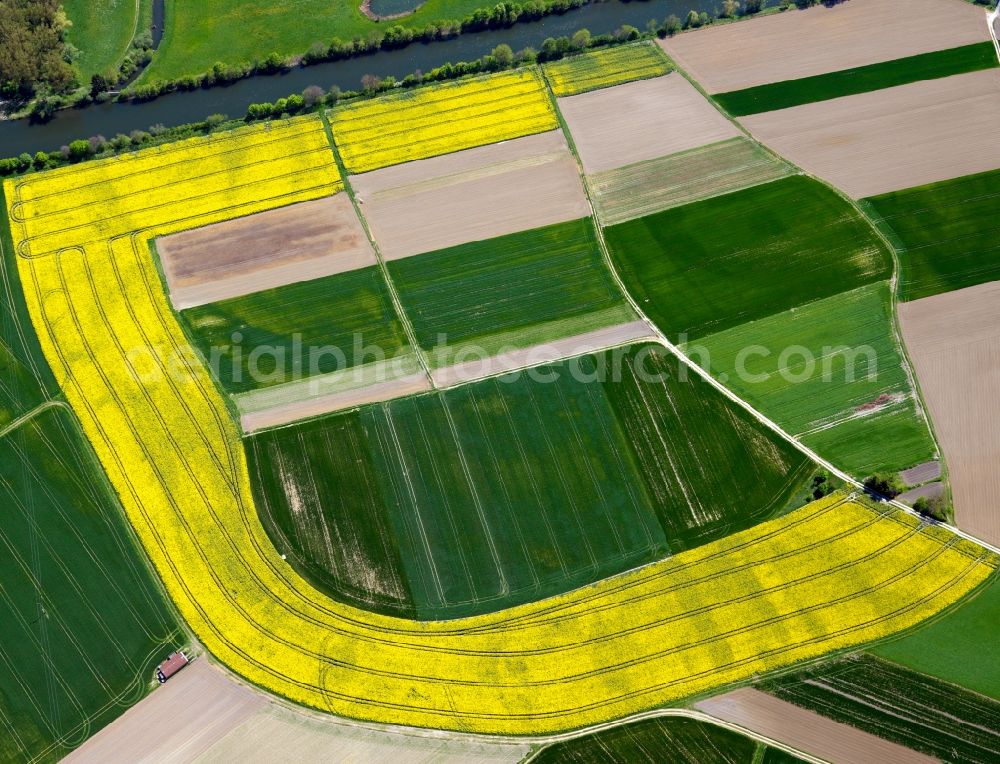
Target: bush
[{"x": 934, "y": 507}]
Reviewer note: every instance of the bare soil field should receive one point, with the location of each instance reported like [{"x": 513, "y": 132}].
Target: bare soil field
[
  {"x": 642, "y": 120},
  {"x": 805, "y": 730},
  {"x": 894, "y": 138},
  {"x": 176, "y": 722},
  {"x": 278, "y": 734},
  {"x": 921, "y": 473},
  {"x": 548, "y": 352},
  {"x": 204, "y": 715},
  {"x": 954, "y": 341},
  {"x": 478, "y": 194},
  {"x": 269, "y": 249},
  {"x": 795, "y": 44}
]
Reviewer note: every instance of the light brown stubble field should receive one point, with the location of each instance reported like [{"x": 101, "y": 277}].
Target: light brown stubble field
[
  {"x": 795, "y": 44},
  {"x": 269, "y": 249},
  {"x": 642, "y": 120},
  {"x": 472, "y": 195},
  {"x": 954, "y": 341},
  {"x": 894, "y": 138}
]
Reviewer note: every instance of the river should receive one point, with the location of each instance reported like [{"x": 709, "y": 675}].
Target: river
[{"x": 109, "y": 119}]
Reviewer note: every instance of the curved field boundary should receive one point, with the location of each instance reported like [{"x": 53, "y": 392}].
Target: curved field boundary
[{"x": 706, "y": 618}]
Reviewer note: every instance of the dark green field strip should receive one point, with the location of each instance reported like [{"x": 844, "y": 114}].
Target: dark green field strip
[
  {"x": 319, "y": 498},
  {"x": 664, "y": 739},
  {"x": 900, "y": 705},
  {"x": 506, "y": 284},
  {"x": 505, "y": 493},
  {"x": 718, "y": 263},
  {"x": 948, "y": 233},
  {"x": 959, "y": 648},
  {"x": 710, "y": 467},
  {"x": 829, "y": 371},
  {"x": 862, "y": 79},
  {"x": 83, "y": 620},
  {"x": 509, "y": 490},
  {"x": 25, "y": 378},
  {"x": 295, "y": 331}
]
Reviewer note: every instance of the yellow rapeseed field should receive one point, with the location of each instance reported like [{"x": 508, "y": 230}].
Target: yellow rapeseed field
[
  {"x": 834, "y": 574},
  {"x": 429, "y": 121},
  {"x": 605, "y": 67}
]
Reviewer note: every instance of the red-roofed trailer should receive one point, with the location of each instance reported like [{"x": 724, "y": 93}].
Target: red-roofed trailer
[{"x": 174, "y": 663}]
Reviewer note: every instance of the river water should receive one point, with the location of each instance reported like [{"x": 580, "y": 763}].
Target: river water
[{"x": 109, "y": 119}]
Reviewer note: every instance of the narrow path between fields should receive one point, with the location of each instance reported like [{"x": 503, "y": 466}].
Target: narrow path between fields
[{"x": 42, "y": 407}]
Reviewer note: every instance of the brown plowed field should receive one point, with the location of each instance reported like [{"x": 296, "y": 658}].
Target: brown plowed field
[
  {"x": 269, "y": 249},
  {"x": 954, "y": 341},
  {"x": 795, "y": 44},
  {"x": 642, "y": 120},
  {"x": 472, "y": 195},
  {"x": 894, "y": 138},
  {"x": 805, "y": 730}
]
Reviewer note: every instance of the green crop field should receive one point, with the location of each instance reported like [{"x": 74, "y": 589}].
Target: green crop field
[
  {"x": 84, "y": 624},
  {"x": 103, "y": 30},
  {"x": 718, "y": 263},
  {"x": 959, "y": 647},
  {"x": 200, "y": 32},
  {"x": 682, "y": 431},
  {"x": 947, "y": 233},
  {"x": 334, "y": 527},
  {"x": 916, "y": 711},
  {"x": 862, "y": 79},
  {"x": 830, "y": 372},
  {"x": 658, "y": 184},
  {"x": 512, "y": 291},
  {"x": 25, "y": 379},
  {"x": 606, "y": 67},
  {"x": 293, "y": 331},
  {"x": 669, "y": 739},
  {"x": 504, "y": 491}
]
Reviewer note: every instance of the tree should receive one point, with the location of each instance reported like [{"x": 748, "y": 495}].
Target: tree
[
  {"x": 33, "y": 50},
  {"x": 214, "y": 120},
  {"x": 885, "y": 484},
  {"x": 79, "y": 149},
  {"x": 672, "y": 25},
  {"x": 98, "y": 85},
  {"x": 691, "y": 21},
  {"x": 503, "y": 55},
  {"x": 370, "y": 83},
  {"x": 312, "y": 95},
  {"x": 41, "y": 159},
  {"x": 581, "y": 39},
  {"x": 754, "y": 6},
  {"x": 730, "y": 8}
]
